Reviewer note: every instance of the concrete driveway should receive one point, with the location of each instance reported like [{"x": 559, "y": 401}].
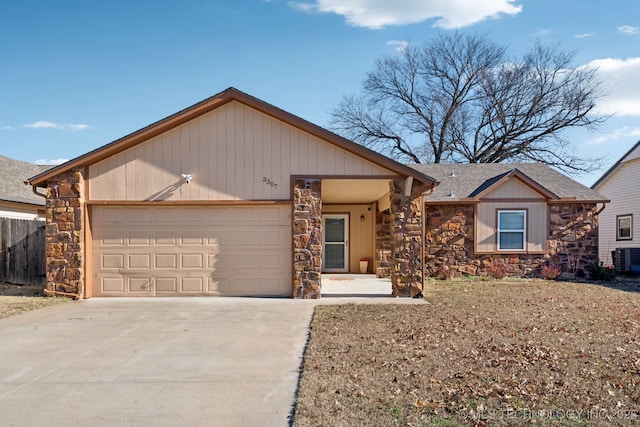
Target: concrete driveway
[{"x": 153, "y": 362}]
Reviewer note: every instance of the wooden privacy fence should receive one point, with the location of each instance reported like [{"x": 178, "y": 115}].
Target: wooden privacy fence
[{"x": 22, "y": 251}]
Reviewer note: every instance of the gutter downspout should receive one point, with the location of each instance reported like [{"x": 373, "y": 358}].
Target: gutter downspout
[
  {"x": 35, "y": 191},
  {"x": 604, "y": 205},
  {"x": 47, "y": 292}
]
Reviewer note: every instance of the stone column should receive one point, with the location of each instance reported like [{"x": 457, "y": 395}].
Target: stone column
[
  {"x": 65, "y": 235},
  {"x": 307, "y": 238},
  {"x": 573, "y": 237},
  {"x": 384, "y": 244},
  {"x": 406, "y": 213}
]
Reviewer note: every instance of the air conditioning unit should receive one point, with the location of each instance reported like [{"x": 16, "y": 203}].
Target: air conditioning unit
[{"x": 628, "y": 259}]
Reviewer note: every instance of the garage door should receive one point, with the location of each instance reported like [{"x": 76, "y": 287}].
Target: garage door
[{"x": 173, "y": 251}]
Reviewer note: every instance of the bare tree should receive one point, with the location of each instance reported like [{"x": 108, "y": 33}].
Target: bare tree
[{"x": 458, "y": 99}]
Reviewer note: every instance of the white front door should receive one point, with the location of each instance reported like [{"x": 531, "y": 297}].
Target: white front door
[{"x": 335, "y": 241}]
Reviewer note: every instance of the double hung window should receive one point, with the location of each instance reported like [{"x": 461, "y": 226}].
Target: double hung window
[
  {"x": 624, "y": 227},
  {"x": 512, "y": 230}
]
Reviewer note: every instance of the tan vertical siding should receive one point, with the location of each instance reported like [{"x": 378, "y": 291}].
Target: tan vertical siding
[
  {"x": 232, "y": 151},
  {"x": 622, "y": 189},
  {"x": 511, "y": 191},
  {"x": 537, "y": 225}
]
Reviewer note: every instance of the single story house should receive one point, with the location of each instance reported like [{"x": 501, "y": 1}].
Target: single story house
[
  {"x": 235, "y": 197},
  {"x": 17, "y": 200},
  {"x": 522, "y": 216},
  {"x": 620, "y": 221},
  {"x": 232, "y": 197}
]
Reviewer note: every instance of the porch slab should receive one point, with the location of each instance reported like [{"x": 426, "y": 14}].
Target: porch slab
[{"x": 339, "y": 288}]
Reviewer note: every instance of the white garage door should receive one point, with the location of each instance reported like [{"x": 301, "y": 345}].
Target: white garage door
[{"x": 173, "y": 251}]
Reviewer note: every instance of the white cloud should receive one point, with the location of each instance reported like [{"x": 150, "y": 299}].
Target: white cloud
[
  {"x": 42, "y": 124},
  {"x": 620, "y": 77},
  {"x": 400, "y": 45},
  {"x": 583, "y": 35},
  {"x": 616, "y": 134},
  {"x": 376, "y": 14},
  {"x": 628, "y": 29},
  {"x": 541, "y": 32},
  {"x": 302, "y": 7},
  {"x": 50, "y": 162}
]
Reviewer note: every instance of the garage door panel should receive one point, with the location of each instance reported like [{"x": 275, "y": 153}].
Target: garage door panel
[
  {"x": 166, "y": 261},
  {"x": 166, "y": 285},
  {"x": 140, "y": 261},
  {"x": 112, "y": 285},
  {"x": 192, "y": 261},
  {"x": 139, "y": 238},
  {"x": 112, "y": 261},
  {"x": 242, "y": 286},
  {"x": 113, "y": 241},
  {"x": 140, "y": 285},
  {"x": 192, "y": 251},
  {"x": 165, "y": 237},
  {"x": 192, "y": 238},
  {"x": 192, "y": 285},
  {"x": 236, "y": 261}
]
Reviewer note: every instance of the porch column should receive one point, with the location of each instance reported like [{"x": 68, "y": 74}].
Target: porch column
[
  {"x": 406, "y": 217},
  {"x": 307, "y": 238},
  {"x": 65, "y": 235}
]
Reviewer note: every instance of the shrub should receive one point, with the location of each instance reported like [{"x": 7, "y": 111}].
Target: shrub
[
  {"x": 551, "y": 272},
  {"x": 498, "y": 271},
  {"x": 598, "y": 271}
]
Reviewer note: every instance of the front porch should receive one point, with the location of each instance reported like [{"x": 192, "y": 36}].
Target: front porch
[{"x": 338, "y": 221}]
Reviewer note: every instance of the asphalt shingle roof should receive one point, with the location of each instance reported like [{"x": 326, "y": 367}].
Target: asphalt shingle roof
[
  {"x": 13, "y": 173},
  {"x": 465, "y": 180}
]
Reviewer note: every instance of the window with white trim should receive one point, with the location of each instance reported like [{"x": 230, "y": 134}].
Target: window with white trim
[
  {"x": 624, "y": 227},
  {"x": 512, "y": 230}
]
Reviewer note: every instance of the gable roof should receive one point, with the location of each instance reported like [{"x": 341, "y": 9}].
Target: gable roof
[
  {"x": 615, "y": 166},
  {"x": 471, "y": 181},
  {"x": 13, "y": 173},
  {"x": 209, "y": 104}
]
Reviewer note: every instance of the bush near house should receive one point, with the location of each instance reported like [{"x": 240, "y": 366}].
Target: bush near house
[{"x": 598, "y": 271}]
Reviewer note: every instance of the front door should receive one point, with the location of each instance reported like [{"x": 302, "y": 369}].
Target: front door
[{"x": 335, "y": 241}]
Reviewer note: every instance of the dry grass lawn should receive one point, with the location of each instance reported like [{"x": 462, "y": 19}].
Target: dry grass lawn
[
  {"x": 525, "y": 352},
  {"x": 16, "y": 299}
]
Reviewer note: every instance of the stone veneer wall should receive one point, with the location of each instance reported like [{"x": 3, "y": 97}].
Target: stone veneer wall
[
  {"x": 384, "y": 244},
  {"x": 307, "y": 238},
  {"x": 573, "y": 236},
  {"x": 406, "y": 215},
  {"x": 449, "y": 233},
  {"x": 65, "y": 235}
]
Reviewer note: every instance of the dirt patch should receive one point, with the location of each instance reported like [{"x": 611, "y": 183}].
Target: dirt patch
[
  {"x": 16, "y": 299},
  {"x": 481, "y": 353}
]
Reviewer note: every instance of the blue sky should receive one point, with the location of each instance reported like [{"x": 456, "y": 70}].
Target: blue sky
[{"x": 78, "y": 74}]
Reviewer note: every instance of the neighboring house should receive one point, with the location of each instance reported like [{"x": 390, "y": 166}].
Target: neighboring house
[
  {"x": 620, "y": 221},
  {"x": 523, "y": 216},
  {"x": 233, "y": 196},
  {"x": 16, "y": 199}
]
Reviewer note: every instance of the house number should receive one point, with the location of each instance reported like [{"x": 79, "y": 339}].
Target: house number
[{"x": 269, "y": 182}]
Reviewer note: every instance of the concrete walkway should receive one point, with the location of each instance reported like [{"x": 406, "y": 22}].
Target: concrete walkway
[{"x": 163, "y": 361}]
